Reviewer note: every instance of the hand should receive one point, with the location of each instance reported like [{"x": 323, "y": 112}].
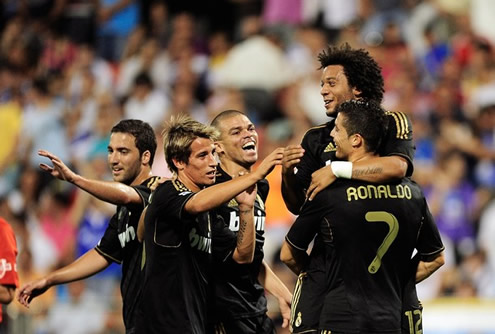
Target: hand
[
  {"x": 292, "y": 156},
  {"x": 247, "y": 197},
  {"x": 59, "y": 169},
  {"x": 284, "y": 306},
  {"x": 320, "y": 179},
  {"x": 273, "y": 159},
  {"x": 31, "y": 290}
]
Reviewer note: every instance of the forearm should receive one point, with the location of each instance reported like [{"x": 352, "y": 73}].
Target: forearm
[
  {"x": 140, "y": 228},
  {"x": 273, "y": 284},
  {"x": 108, "y": 191},
  {"x": 87, "y": 265},
  {"x": 6, "y": 293},
  {"x": 246, "y": 237},
  {"x": 293, "y": 258},
  {"x": 379, "y": 169},
  {"x": 426, "y": 268},
  {"x": 218, "y": 194}
]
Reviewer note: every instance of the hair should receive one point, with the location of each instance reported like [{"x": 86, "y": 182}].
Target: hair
[
  {"x": 144, "y": 136},
  {"x": 224, "y": 115},
  {"x": 361, "y": 70},
  {"x": 179, "y": 133},
  {"x": 366, "y": 118}
]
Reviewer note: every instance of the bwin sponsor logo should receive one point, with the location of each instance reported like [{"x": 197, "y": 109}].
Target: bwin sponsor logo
[
  {"x": 128, "y": 235},
  {"x": 259, "y": 221},
  {"x": 199, "y": 242}
]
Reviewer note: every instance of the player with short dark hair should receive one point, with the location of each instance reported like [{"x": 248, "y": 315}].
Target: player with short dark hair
[
  {"x": 240, "y": 304},
  {"x": 131, "y": 151},
  {"x": 365, "y": 236},
  {"x": 308, "y": 168},
  {"x": 177, "y": 228}
]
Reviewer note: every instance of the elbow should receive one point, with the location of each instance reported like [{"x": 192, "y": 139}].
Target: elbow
[
  {"x": 286, "y": 254},
  {"x": 7, "y": 296},
  {"x": 400, "y": 169},
  {"x": 440, "y": 260}
]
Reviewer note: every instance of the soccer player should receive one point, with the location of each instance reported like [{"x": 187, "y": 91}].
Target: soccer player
[
  {"x": 366, "y": 234},
  {"x": 131, "y": 151},
  {"x": 177, "y": 228},
  {"x": 240, "y": 304},
  {"x": 308, "y": 168},
  {"x": 9, "y": 280}
]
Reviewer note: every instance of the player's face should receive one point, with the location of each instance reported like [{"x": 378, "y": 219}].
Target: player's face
[
  {"x": 335, "y": 88},
  {"x": 202, "y": 165},
  {"x": 341, "y": 138},
  {"x": 123, "y": 157},
  {"x": 239, "y": 140}
]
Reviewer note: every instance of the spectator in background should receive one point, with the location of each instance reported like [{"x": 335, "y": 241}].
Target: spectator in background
[
  {"x": 116, "y": 19},
  {"x": 146, "y": 103}
]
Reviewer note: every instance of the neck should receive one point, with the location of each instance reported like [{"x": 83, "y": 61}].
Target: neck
[
  {"x": 361, "y": 155},
  {"x": 142, "y": 176},
  {"x": 190, "y": 184},
  {"x": 232, "y": 168}
]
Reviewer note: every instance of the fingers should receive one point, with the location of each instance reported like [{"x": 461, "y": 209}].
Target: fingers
[
  {"x": 46, "y": 168},
  {"x": 313, "y": 190},
  {"x": 285, "y": 323}
]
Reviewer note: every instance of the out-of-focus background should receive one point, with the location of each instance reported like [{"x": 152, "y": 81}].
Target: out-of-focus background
[{"x": 71, "y": 69}]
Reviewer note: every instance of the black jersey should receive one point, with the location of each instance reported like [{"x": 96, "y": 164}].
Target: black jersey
[
  {"x": 366, "y": 237},
  {"x": 120, "y": 244},
  {"x": 320, "y": 148},
  {"x": 178, "y": 264},
  {"x": 238, "y": 293}
]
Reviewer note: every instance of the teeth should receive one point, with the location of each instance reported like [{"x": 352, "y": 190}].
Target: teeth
[{"x": 249, "y": 145}]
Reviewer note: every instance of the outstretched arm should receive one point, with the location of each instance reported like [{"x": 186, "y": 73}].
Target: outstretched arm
[
  {"x": 87, "y": 265},
  {"x": 376, "y": 170},
  {"x": 246, "y": 237},
  {"x": 218, "y": 194},
  {"x": 276, "y": 287},
  {"x": 112, "y": 192}
]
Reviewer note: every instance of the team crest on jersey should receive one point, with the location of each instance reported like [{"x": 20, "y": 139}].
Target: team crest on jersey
[
  {"x": 330, "y": 148},
  {"x": 298, "y": 321}
]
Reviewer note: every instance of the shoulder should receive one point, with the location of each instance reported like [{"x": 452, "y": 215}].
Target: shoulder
[
  {"x": 400, "y": 123},
  {"x": 263, "y": 188},
  {"x": 319, "y": 130}
]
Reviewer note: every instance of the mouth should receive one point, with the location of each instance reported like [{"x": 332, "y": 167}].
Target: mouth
[
  {"x": 117, "y": 170},
  {"x": 249, "y": 146},
  {"x": 327, "y": 103},
  {"x": 211, "y": 174}
]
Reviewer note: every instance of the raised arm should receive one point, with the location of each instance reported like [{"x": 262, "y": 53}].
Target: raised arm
[
  {"x": 246, "y": 237},
  {"x": 87, "y": 265},
  {"x": 218, "y": 194},
  {"x": 276, "y": 287},
  {"x": 108, "y": 191}
]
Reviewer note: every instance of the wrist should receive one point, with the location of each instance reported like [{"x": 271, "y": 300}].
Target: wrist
[
  {"x": 245, "y": 209},
  {"x": 342, "y": 169}
]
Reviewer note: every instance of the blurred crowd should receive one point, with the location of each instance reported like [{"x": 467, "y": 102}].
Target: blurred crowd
[{"x": 71, "y": 69}]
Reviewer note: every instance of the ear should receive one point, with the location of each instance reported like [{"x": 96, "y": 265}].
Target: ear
[
  {"x": 356, "y": 140},
  {"x": 145, "y": 157},
  {"x": 179, "y": 164},
  {"x": 219, "y": 147},
  {"x": 357, "y": 93}
]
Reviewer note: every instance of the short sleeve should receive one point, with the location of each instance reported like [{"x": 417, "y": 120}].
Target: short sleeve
[
  {"x": 307, "y": 224},
  {"x": 399, "y": 139},
  {"x": 109, "y": 245},
  {"x": 8, "y": 255},
  {"x": 429, "y": 240}
]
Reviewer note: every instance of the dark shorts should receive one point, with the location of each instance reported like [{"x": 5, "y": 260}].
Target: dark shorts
[
  {"x": 255, "y": 325},
  {"x": 307, "y": 302}
]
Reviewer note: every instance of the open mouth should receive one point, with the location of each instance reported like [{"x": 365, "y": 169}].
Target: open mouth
[{"x": 249, "y": 146}]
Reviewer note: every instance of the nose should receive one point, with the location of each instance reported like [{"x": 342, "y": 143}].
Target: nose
[
  {"x": 324, "y": 90},
  {"x": 332, "y": 133},
  {"x": 112, "y": 157},
  {"x": 212, "y": 160}
]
